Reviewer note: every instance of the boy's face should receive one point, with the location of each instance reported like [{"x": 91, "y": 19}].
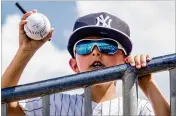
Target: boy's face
[{"x": 96, "y": 60}]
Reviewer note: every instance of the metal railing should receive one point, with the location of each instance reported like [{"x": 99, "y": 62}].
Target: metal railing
[{"x": 129, "y": 76}]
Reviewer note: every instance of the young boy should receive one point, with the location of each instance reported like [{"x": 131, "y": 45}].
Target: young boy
[{"x": 98, "y": 40}]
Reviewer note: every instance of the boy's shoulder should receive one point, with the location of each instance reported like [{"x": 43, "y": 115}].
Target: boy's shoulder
[
  {"x": 63, "y": 102},
  {"x": 59, "y": 102},
  {"x": 57, "y": 97}
]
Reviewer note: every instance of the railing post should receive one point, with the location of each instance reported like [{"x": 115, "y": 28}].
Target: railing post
[
  {"x": 87, "y": 101},
  {"x": 4, "y": 109},
  {"x": 173, "y": 91},
  {"x": 130, "y": 103},
  {"x": 46, "y": 105}
]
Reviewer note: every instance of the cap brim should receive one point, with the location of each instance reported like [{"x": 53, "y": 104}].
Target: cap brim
[{"x": 87, "y": 31}]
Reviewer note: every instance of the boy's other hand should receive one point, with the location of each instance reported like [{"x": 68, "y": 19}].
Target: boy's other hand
[{"x": 139, "y": 60}]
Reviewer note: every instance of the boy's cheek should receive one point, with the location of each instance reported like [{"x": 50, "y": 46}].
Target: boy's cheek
[
  {"x": 83, "y": 63},
  {"x": 83, "y": 67}
]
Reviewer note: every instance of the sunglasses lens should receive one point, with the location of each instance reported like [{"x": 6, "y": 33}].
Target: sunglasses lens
[
  {"x": 105, "y": 46},
  {"x": 83, "y": 47},
  {"x": 108, "y": 46}
]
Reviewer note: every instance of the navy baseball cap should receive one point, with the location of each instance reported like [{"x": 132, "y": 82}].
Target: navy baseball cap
[{"x": 101, "y": 24}]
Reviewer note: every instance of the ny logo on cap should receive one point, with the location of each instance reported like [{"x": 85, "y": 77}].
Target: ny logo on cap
[{"x": 105, "y": 22}]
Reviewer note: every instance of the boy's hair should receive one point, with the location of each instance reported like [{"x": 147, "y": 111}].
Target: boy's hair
[{"x": 101, "y": 24}]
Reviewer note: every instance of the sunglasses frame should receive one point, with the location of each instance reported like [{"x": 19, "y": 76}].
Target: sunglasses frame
[{"x": 119, "y": 45}]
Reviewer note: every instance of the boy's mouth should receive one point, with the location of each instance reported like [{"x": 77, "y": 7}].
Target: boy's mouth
[{"x": 97, "y": 65}]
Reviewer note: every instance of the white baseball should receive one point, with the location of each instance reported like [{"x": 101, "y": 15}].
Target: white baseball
[{"x": 37, "y": 27}]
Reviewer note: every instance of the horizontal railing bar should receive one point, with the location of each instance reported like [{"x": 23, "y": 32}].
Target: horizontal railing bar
[
  {"x": 160, "y": 63},
  {"x": 75, "y": 81}
]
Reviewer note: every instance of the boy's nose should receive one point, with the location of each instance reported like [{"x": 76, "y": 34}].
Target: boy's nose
[{"x": 96, "y": 52}]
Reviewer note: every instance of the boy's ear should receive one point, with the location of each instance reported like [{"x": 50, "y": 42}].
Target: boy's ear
[{"x": 73, "y": 65}]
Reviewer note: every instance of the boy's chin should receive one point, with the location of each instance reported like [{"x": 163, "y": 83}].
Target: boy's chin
[{"x": 98, "y": 68}]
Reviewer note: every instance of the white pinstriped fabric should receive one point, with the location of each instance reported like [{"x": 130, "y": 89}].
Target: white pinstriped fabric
[{"x": 73, "y": 105}]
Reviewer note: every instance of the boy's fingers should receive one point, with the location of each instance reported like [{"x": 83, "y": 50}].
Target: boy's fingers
[
  {"x": 137, "y": 61},
  {"x": 130, "y": 60},
  {"x": 49, "y": 35},
  {"x": 26, "y": 15},
  {"x": 148, "y": 58},
  {"x": 143, "y": 60},
  {"x": 21, "y": 26},
  {"x": 24, "y": 21},
  {"x": 34, "y": 11}
]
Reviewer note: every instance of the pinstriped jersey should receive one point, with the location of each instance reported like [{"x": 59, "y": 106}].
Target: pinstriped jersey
[{"x": 73, "y": 105}]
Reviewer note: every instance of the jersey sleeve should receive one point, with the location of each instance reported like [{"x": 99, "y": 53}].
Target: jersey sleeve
[
  {"x": 145, "y": 108},
  {"x": 60, "y": 104},
  {"x": 32, "y": 107}
]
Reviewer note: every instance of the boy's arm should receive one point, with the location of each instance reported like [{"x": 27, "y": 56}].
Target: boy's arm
[
  {"x": 159, "y": 103},
  {"x": 27, "y": 48},
  {"x": 12, "y": 74},
  {"x": 146, "y": 83},
  {"x": 11, "y": 77}
]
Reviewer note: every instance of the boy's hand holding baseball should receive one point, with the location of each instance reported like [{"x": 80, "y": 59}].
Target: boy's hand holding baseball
[{"x": 26, "y": 44}]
